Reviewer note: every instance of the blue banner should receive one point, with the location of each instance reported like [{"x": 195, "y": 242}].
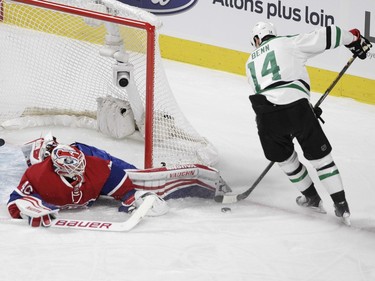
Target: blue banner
[{"x": 162, "y": 6}]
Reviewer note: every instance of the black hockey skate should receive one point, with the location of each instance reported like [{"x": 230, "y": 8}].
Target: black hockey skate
[
  {"x": 342, "y": 211},
  {"x": 315, "y": 203}
]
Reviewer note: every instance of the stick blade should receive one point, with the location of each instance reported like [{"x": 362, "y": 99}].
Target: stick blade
[
  {"x": 125, "y": 226},
  {"x": 226, "y": 199}
]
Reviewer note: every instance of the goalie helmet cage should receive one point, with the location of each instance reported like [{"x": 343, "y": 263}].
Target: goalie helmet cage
[{"x": 57, "y": 58}]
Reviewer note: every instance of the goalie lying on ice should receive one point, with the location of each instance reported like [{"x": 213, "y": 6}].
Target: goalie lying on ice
[{"x": 72, "y": 176}]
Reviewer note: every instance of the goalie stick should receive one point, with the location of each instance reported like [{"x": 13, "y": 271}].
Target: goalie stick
[
  {"x": 232, "y": 198},
  {"x": 125, "y": 226}
]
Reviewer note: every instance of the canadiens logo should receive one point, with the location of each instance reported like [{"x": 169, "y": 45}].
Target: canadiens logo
[
  {"x": 67, "y": 153},
  {"x": 76, "y": 196},
  {"x": 162, "y": 6}
]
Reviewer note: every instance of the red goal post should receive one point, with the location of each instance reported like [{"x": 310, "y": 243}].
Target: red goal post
[{"x": 174, "y": 142}]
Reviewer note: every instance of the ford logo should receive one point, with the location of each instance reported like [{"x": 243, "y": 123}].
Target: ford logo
[{"x": 162, "y": 6}]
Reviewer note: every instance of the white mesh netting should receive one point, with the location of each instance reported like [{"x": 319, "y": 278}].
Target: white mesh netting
[{"x": 50, "y": 64}]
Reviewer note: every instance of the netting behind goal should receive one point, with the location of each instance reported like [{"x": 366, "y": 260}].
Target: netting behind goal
[{"x": 57, "y": 58}]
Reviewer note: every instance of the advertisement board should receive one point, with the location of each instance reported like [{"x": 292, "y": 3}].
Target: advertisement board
[{"x": 228, "y": 24}]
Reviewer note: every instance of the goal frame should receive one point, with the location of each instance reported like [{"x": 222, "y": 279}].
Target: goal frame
[{"x": 150, "y": 62}]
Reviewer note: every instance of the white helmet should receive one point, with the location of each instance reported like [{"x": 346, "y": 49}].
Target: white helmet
[
  {"x": 68, "y": 161},
  {"x": 262, "y": 29}
]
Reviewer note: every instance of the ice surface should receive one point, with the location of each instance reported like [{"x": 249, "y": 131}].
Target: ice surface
[{"x": 266, "y": 237}]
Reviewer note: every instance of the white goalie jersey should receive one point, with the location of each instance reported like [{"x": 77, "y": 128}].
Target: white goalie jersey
[{"x": 281, "y": 75}]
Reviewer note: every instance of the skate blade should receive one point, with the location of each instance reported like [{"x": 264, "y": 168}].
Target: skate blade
[
  {"x": 319, "y": 209},
  {"x": 346, "y": 219}
]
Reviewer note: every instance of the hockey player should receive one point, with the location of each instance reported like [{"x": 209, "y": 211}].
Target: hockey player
[
  {"x": 73, "y": 176},
  {"x": 280, "y": 82}
]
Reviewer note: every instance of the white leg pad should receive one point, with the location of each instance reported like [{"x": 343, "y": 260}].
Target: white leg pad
[{"x": 164, "y": 181}]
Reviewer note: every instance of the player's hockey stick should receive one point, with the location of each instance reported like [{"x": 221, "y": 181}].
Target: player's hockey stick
[
  {"x": 125, "y": 226},
  {"x": 345, "y": 68},
  {"x": 232, "y": 198}
]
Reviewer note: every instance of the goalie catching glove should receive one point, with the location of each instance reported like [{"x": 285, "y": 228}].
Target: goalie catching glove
[
  {"x": 37, "y": 212},
  {"x": 135, "y": 198},
  {"x": 360, "y": 46}
]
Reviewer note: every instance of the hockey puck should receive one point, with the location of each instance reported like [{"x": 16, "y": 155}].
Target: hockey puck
[
  {"x": 2, "y": 142},
  {"x": 226, "y": 209}
]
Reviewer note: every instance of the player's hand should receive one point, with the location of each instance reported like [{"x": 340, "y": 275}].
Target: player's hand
[
  {"x": 359, "y": 47},
  {"x": 159, "y": 206},
  {"x": 45, "y": 220},
  {"x": 37, "y": 212},
  {"x": 127, "y": 204},
  {"x": 126, "y": 208},
  {"x": 318, "y": 112}
]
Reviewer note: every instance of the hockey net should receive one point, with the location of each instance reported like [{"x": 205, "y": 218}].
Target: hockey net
[{"x": 57, "y": 58}]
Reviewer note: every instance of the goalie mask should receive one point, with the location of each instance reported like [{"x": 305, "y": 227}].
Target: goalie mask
[
  {"x": 68, "y": 162},
  {"x": 261, "y": 30}
]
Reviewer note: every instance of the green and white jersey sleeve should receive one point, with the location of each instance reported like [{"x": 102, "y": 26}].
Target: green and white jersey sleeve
[{"x": 277, "y": 68}]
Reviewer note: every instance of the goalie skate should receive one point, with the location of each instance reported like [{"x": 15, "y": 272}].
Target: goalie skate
[{"x": 315, "y": 203}]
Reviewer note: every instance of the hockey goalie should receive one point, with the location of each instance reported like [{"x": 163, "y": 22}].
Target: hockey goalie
[{"x": 63, "y": 176}]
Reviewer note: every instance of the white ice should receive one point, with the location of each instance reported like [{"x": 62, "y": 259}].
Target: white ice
[{"x": 266, "y": 237}]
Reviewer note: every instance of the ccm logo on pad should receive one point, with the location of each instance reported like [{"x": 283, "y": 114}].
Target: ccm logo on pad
[{"x": 162, "y": 6}]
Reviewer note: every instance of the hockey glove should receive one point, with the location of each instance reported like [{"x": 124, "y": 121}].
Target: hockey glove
[
  {"x": 41, "y": 221},
  {"x": 36, "y": 211},
  {"x": 359, "y": 47},
  {"x": 134, "y": 199},
  {"x": 318, "y": 112},
  {"x": 159, "y": 207},
  {"x": 128, "y": 201}
]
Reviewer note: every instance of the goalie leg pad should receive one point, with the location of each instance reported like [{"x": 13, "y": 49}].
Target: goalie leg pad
[
  {"x": 182, "y": 181},
  {"x": 37, "y": 150}
]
